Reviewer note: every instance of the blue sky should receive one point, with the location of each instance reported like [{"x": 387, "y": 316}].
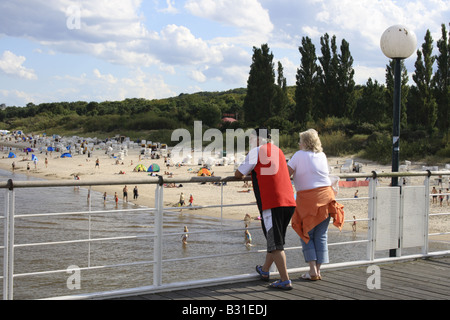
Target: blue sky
[{"x": 62, "y": 50}]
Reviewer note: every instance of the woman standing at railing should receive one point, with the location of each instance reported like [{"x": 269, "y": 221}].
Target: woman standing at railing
[{"x": 315, "y": 202}]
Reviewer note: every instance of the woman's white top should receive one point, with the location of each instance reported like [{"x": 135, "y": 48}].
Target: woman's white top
[{"x": 310, "y": 170}]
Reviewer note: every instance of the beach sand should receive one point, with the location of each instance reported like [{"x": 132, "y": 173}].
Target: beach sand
[{"x": 204, "y": 194}]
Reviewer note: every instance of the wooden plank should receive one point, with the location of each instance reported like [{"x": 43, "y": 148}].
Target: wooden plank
[
  {"x": 358, "y": 280},
  {"x": 418, "y": 287},
  {"x": 419, "y": 279}
]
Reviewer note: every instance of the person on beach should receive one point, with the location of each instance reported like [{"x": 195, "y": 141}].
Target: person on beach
[
  {"x": 273, "y": 192},
  {"x": 116, "y": 199},
  {"x": 125, "y": 193},
  {"x": 97, "y": 164},
  {"x": 315, "y": 202},
  {"x": 104, "y": 198},
  {"x": 434, "y": 191},
  {"x": 181, "y": 202},
  {"x": 135, "y": 193},
  {"x": 191, "y": 200}
]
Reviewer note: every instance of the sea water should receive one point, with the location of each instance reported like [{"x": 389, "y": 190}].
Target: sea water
[{"x": 125, "y": 220}]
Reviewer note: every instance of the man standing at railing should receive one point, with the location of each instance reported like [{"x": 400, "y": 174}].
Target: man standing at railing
[{"x": 275, "y": 200}]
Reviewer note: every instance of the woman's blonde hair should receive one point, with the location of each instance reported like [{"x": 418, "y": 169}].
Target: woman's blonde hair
[{"x": 310, "y": 140}]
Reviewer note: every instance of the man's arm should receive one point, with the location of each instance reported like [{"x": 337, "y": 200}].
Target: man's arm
[
  {"x": 238, "y": 175},
  {"x": 291, "y": 171}
]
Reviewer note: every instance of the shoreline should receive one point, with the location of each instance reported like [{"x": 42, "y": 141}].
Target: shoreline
[{"x": 204, "y": 194}]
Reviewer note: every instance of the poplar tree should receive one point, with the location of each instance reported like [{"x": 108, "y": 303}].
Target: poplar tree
[
  {"x": 441, "y": 81},
  {"x": 346, "y": 98},
  {"x": 307, "y": 82},
  {"x": 328, "y": 77},
  {"x": 423, "y": 95},
  {"x": 280, "y": 102},
  {"x": 390, "y": 92},
  {"x": 260, "y": 87}
]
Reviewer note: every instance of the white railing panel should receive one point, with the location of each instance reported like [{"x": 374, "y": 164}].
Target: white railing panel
[{"x": 384, "y": 222}]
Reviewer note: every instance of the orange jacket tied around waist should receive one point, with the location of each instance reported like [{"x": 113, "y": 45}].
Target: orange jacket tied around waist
[{"x": 313, "y": 207}]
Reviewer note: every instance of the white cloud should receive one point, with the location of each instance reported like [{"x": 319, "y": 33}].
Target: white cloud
[
  {"x": 109, "y": 78},
  {"x": 363, "y": 73},
  {"x": 19, "y": 97},
  {"x": 12, "y": 65},
  {"x": 177, "y": 45},
  {"x": 170, "y": 7},
  {"x": 248, "y": 16},
  {"x": 369, "y": 18},
  {"x": 312, "y": 32},
  {"x": 198, "y": 76}
]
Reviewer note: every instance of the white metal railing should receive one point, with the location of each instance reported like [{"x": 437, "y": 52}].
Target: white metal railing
[{"x": 159, "y": 210}]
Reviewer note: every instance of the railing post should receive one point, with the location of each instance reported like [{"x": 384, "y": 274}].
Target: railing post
[
  {"x": 11, "y": 246},
  {"x": 372, "y": 218},
  {"x": 157, "y": 247},
  {"x": 5, "y": 245},
  {"x": 89, "y": 227},
  {"x": 427, "y": 212}
]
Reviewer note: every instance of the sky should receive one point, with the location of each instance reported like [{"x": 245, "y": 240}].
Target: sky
[{"x": 109, "y": 50}]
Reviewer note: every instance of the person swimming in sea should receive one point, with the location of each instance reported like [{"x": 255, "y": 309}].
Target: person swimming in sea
[
  {"x": 248, "y": 238},
  {"x": 185, "y": 236}
]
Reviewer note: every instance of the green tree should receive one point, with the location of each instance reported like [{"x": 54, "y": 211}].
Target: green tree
[
  {"x": 372, "y": 104},
  {"x": 422, "y": 78},
  {"x": 441, "y": 81},
  {"x": 390, "y": 92},
  {"x": 307, "y": 82},
  {"x": 346, "y": 98},
  {"x": 258, "y": 102},
  {"x": 209, "y": 114},
  {"x": 328, "y": 83},
  {"x": 281, "y": 100}
]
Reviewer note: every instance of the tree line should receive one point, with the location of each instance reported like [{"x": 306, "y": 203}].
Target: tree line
[
  {"x": 325, "y": 87},
  {"x": 327, "y": 97},
  {"x": 351, "y": 118}
]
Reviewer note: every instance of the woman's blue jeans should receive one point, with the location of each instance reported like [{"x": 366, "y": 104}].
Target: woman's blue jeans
[{"x": 317, "y": 246}]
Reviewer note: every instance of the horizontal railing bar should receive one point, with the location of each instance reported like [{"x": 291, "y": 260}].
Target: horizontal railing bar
[
  {"x": 21, "y": 245},
  {"x": 439, "y": 214},
  {"x": 161, "y": 180},
  {"x": 212, "y": 256},
  {"x": 83, "y": 268},
  {"x": 80, "y": 212},
  {"x": 347, "y": 242},
  {"x": 254, "y": 252},
  {"x": 352, "y": 199},
  {"x": 438, "y": 234}
]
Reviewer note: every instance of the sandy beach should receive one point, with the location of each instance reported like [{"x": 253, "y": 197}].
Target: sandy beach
[{"x": 204, "y": 194}]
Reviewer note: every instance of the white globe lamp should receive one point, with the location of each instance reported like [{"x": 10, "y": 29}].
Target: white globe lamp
[{"x": 398, "y": 42}]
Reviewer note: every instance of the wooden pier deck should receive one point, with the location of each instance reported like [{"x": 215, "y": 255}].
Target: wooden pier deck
[{"x": 420, "y": 279}]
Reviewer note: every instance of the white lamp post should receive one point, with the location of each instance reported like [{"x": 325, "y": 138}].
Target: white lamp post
[{"x": 397, "y": 42}]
